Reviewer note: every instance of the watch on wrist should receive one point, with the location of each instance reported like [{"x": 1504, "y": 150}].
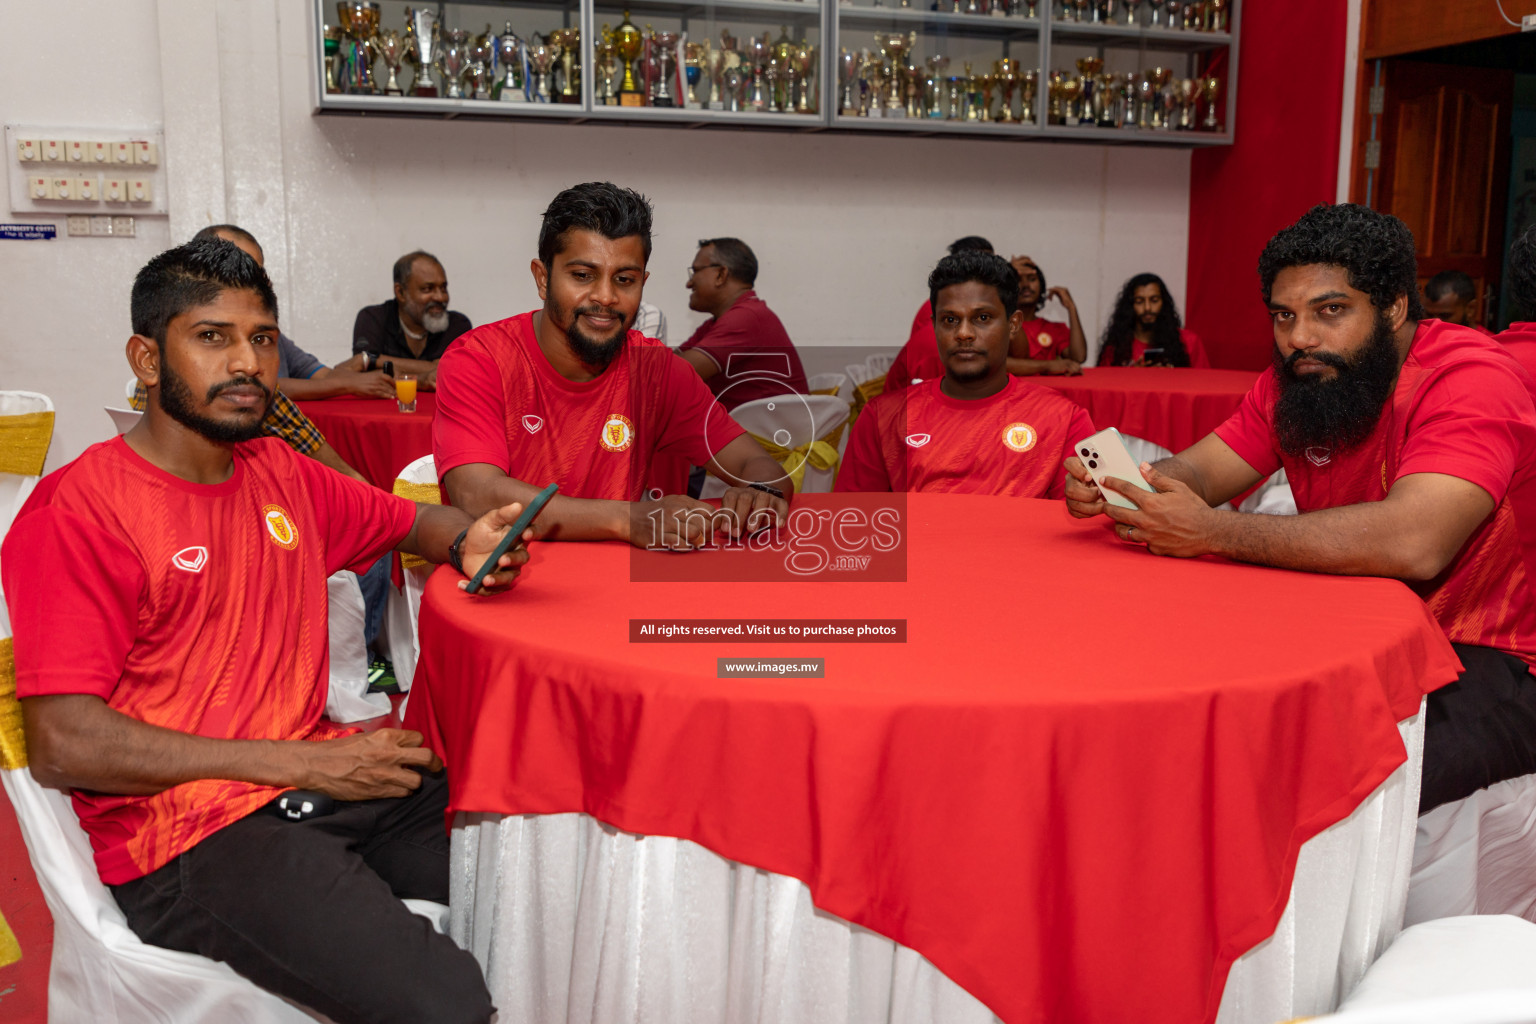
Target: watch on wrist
[
  {"x": 767, "y": 489},
  {"x": 456, "y": 552},
  {"x": 367, "y": 361}
]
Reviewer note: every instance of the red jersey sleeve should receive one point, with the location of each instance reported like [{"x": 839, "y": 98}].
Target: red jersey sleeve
[
  {"x": 471, "y": 421},
  {"x": 694, "y": 425},
  {"x": 1248, "y": 432},
  {"x": 1196, "y": 349},
  {"x": 1079, "y": 426},
  {"x": 863, "y": 467},
  {"x": 1470, "y": 422},
  {"x": 73, "y": 592},
  {"x": 360, "y": 522}
]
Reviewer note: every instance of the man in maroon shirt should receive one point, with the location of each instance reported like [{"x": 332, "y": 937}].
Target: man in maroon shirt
[{"x": 743, "y": 352}]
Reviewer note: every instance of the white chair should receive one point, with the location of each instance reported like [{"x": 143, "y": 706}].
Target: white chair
[
  {"x": 879, "y": 363},
  {"x": 827, "y": 384},
  {"x": 101, "y": 971},
  {"x": 800, "y": 432},
  {"x": 1477, "y": 855},
  {"x": 124, "y": 419},
  {"x": 1457, "y": 970},
  {"x": 418, "y": 482}
]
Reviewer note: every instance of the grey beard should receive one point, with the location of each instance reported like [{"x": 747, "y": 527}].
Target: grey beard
[{"x": 435, "y": 323}]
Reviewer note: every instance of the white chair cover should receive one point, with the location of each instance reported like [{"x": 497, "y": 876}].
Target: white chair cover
[
  {"x": 828, "y": 382},
  {"x": 1457, "y": 970},
  {"x": 404, "y": 605},
  {"x": 124, "y": 419},
  {"x": 348, "y": 699},
  {"x": 578, "y": 922},
  {"x": 879, "y": 363},
  {"x": 783, "y": 420},
  {"x": 1478, "y": 856}
]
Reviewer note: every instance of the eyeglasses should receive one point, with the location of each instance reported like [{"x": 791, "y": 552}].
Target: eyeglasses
[{"x": 694, "y": 270}]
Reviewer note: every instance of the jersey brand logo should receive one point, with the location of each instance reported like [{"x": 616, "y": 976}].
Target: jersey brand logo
[
  {"x": 1020, "y": 437},
  {"x": 280, "y": 527},
  {"x": 190, "y": 559},
  {"x": 533, "y": 424},
  {"x": 1319, "y": 456},
  {"x": 918, "y": 440},
  {"x": 618, "y": 433}
]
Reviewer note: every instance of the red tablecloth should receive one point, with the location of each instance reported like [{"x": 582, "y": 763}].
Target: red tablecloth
[
  {"x": 1173, "y": 407},
  {"x": 1078, "y": 788},
  {"x": 373, "y": 435}
]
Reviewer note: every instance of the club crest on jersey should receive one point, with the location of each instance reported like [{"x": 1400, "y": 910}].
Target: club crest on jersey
[
  {"x": 918, "y": 440},
  {"x": 618, "y": 433},
  {"x": 190, "y": 559},
  {"x": 280, "y": 527},
  {"x": 1044, "y": 340},
  {"x": 1020, "y": 437},
  {"x": 533, "y": 424}
]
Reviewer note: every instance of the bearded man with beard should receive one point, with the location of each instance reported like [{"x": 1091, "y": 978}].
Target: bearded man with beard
[
  {"x": 571, "y": 394},
  {"x": 977, "y": 429},
  {"x": 1410, "y": 445},
  {"x": 413, "y": 329},
  {"x": 1145, "y": 329},
  {"x": 164, "y": 589}
]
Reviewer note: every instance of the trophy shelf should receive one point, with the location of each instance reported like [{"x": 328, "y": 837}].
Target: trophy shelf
[
  {"x": 796, "y": 12},
  {"x": 1177, "y": 40},
  {"x": 941, "y": 23}
]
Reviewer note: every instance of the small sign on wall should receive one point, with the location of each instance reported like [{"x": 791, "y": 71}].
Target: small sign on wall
[{"x": 29, "y": 232}]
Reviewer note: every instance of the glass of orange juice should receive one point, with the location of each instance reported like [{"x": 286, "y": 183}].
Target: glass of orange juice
[{"x": 405, "y": 391}]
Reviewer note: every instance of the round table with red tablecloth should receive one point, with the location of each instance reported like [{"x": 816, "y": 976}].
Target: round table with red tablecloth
[
  {"x": 1170, "y": 406},
  {"x": 373, "y": 435},
  {"x": 1077, "y": 784}
]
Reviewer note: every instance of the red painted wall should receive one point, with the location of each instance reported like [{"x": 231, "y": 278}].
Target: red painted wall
[{"x": 1284, "y": 161}]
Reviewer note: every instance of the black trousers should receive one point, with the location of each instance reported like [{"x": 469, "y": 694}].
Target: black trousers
[
  {"x": 1479, "y": 730},
  {"x": 311, "y": 910}
]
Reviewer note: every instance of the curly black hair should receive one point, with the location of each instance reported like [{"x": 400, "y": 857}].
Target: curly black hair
[
  {"x": 1121, "y": 331},
  {"x": 970, "y": 243},
  {"x": 193, "y": 274},
  {"x": 1375, "y": 249},
  {"x": 601, "y": 206},
  {"x": 981, "y": 267},
  {"x": 1522, "y": 273}
]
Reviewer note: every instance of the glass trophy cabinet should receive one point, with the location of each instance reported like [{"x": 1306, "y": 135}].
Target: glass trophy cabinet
[{"x": 1158, "y": 72}]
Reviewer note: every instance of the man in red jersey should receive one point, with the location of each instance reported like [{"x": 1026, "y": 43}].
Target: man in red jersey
[
  {"x": 569, "y": 394},
  {"x": 1519, "y": 338},
  {"x": 1145, "y": 329},
  {"x": 168, "y": 599},
  {"x": 742, "y": 352},
  {"x": 978, "y": 429},
  {"x": 1410, "y": 445},
  {"x": 1041, "y": 345},
  {"x": 919, "y": 359}
]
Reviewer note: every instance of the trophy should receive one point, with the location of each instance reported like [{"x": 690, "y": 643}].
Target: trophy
[
  {"x": 1071, "y": 99},
  {"x": 734, "y": 85},
  {"x": 606, "y": 56},
  {"x": 1029, "y": 84},
  {"x": 847, "y": 75},
  {"x": 1174, "y": 11},
  {"x": 1216, "y": 11},
  {"x": 1152, "y": 95},
  {"x": 1108, "y": 105},
  {"x": 333, "y": 58},
  {"x": 894, "y": 47},
  {"x": 482, "y": 55},
  {"x": 1127, "y": 114},
  {"x": 1088, "y": 69},
  {"x": 1210, "y": 88},
  {"x": 984, "y": 84},
  {"x": 360, "y": 21},
  {"x": 1155, "y": 19},
  {"x": 694, "y": 55},
  {"x": 567, "y": 44},
  {"x": 392, "y": 49},
  {"x": 509, "y": 50},
  {"x": 933, "y": 85},
  {"x": 665, "y": 44},
  {"x": 759, "y": 49},
  {"x": 1130, "y": 12},
  {"x": 714, "y": 66},
  {"x": 1186, "y": 92},
  {"x": 783, "y": 53},
  {"x": 954, "y": 97},
  {"x": 1053, "y": 111},
  {"x": 803, "y": 63},
  {"x": 454, "y": 60},
  {"x": 627, "y": 43},
  {"x": 423, "y": 48},
  {"x": 541, "y": 57}
]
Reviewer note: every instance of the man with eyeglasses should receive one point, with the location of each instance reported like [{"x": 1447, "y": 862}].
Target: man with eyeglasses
[{"x": 742, "y": 352}]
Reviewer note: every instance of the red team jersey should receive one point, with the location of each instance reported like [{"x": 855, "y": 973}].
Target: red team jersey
[
  {"x": 500, "y": 402},
  {"x": 1011, "y": 444},
  {"x": 1462, "y": 408},
  {"x": 1047, "y": 338},
  {"x": 1519, "y": 340},
  {"x": 200, "y": 608}
]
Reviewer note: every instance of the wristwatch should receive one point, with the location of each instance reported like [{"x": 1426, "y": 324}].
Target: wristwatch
[
  {"x": 456, "y": 553},
  {"x": 368, "y": 358},
  {"x": 767, "y": 489}
]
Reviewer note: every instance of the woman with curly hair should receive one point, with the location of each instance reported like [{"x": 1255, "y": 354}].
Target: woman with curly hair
[{"x": 1145, "y": 329}]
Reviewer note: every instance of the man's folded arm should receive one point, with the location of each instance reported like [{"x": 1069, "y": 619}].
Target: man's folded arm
[{"x": 477, "y": 488}]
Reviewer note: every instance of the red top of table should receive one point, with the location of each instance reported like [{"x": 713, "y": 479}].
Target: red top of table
[
  {"x": 373, "y": 435},
  {"x": 1078, "y": 788},
  {"x": 1170, "y": 406}
]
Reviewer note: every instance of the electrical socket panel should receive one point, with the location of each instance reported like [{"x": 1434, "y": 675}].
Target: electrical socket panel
[{"x": 52, "y": 170}]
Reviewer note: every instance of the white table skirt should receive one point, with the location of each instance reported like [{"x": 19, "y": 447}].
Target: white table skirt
[{"x": 578, "y": 923}]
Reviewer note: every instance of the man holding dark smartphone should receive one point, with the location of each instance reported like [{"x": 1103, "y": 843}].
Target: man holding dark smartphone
[
  {"x": 168, "y": 599},
  {"x": 977, "y": 429}
]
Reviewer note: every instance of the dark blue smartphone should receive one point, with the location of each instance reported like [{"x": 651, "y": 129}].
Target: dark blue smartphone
[{"x": 513, "y": 537}]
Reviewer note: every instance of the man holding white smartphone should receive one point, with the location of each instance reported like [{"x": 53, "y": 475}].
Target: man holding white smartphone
[
  {"x": 977, "y": 429},
  {"x": 1410, "y": 445}
]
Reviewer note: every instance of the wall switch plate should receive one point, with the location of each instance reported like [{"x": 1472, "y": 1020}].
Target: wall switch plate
[
  {"x": 114, "y": 190},
  {"x": 140, "y": 190},
  {"x": 86, "y": 191},
  {"x": 37, "y": 188},
  {"x": 62, "y": 188},
  {"x": 28, "y": 150},
  {"x": 101, "y": 152},
  {"x": 122, "y": 152},
  {"x": 145, "y": 153},
  {"x": 101, "y": 225},
  {"x": 53, "y": 150},
  {"x": 79, "y": 224},
  {"x": 122, "y": 227},
  {"x": 74, "y": 151}
]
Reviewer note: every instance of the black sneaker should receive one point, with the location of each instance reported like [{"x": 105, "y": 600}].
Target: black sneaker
[{"x": 381, "y": 677}]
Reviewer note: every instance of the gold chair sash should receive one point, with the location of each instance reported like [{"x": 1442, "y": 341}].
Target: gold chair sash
[
  {"x": 865, "y": 393},
  {"x": 826, "y": 391},
  {"x": 424, "y": 494},
  {"x": 816, "y": 453},
  {"x": 10, "y": 949},
  {"x": 13, "y": 738},
  {"x": 24, "y": 441}
]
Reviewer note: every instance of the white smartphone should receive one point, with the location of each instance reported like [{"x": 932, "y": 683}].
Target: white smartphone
[{"x": 1105, "y": 455}]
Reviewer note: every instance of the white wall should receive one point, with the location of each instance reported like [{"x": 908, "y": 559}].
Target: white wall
[{"x": 845, "y": 227}]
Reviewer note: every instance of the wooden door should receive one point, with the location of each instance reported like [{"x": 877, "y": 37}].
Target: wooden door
[{"x": 1443, "y": 165}]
